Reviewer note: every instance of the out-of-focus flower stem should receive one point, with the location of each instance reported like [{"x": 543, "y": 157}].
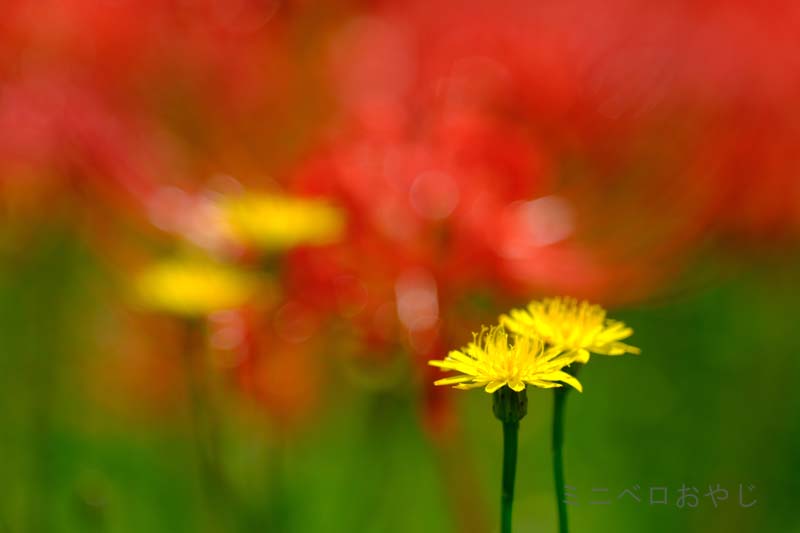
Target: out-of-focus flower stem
[
  {"x": 203, "y": 421},
  {"x": 278, "y": 508}
]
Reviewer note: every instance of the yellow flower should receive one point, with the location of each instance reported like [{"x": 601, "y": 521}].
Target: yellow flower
[
  {"x": 192, "y": 287},
  {"x": 493, "y": 360},
  {"x": 274, "y": 222},
  {"x": 578, "y": 328}
]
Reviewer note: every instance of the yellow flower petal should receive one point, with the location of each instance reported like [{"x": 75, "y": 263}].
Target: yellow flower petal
[
  {"x": 494, "y": 359},
  {"x": 569, "y": 325},
  {"x": 275, "y": 222},
  {"x": 192, "y": 287}
]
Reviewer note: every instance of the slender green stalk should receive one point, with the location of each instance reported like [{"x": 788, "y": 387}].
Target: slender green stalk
[
  {"x": 559, "y": 405},
  {"x": 200, "y": 408},
  {"x": 510, "y": 438},
  {"x": 280, "y": 500},
  {"x": 204, "y": 426},
  {"x": 509, "y": 407}
]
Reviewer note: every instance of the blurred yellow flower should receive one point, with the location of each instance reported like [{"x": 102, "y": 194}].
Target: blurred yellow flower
[
  {"x": 275, "y": 222},
  {"x": 493, "y": 360},
  {"x": 579, "y": 328},
  {"x": 192, "y": 287}
]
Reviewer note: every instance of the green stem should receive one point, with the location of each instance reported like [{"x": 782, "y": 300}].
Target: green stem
[
  {"x": 559, "y": 405},
  {"x": 279, "y": 504},
  {"x": 509, "y": 407},
  {"x": 204, "y": 425},
  {"x": 510, "y": 438}
]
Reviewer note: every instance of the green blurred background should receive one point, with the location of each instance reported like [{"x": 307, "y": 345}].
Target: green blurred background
[{"x": 712, "y": 399}]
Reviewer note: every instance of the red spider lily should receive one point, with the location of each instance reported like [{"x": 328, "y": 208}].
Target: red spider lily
[{"x": 482, "y": 149}]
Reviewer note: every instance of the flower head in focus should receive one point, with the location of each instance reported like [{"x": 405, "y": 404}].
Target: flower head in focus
[
  {"x": 578, "y": 328},
  {"x": 275, "y": 222},
  {"x": 494, "y": 360},
  {"x": 192, "y": 288}
]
